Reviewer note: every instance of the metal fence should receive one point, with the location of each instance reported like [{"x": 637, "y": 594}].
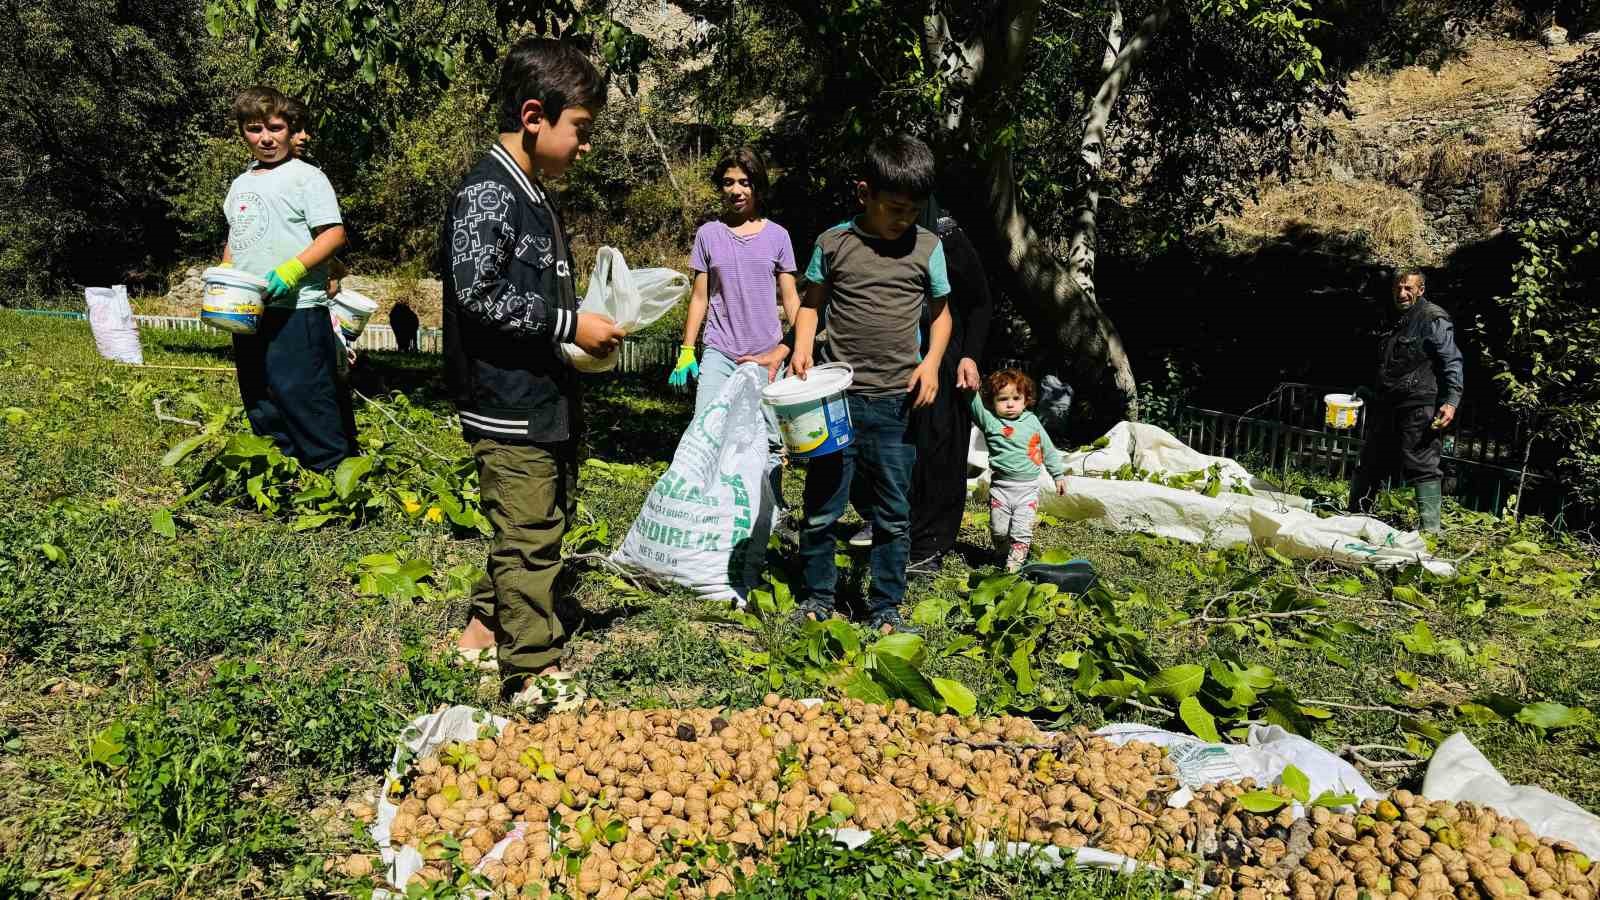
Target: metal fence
[
  {"x": 1482, "y": 459},
  {"x": 642, "y": 354}
]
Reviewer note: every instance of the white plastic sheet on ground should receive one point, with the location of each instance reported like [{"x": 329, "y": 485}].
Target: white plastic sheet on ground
[
  {"x": 1266, "y": 517},
  {"x": 423, "y": 737},
  {"x": 1459, "y": 772},
  {"x": 426, "y": 734},
  {"x": 1266, "y": 752},
  {"x": 116, "y": 335}
]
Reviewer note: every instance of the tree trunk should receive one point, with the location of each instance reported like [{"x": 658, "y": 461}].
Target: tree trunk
[
  {"x": 1057, "y": 299},
  {"x": 1048, "y": 294},
  {"x": 1117, "y": 67}
]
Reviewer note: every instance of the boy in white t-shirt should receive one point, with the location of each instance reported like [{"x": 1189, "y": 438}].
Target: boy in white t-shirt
[{"x": 284, "y": 225}]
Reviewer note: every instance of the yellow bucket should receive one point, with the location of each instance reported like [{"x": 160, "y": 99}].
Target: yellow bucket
[{"x": 1343, "y": 410}]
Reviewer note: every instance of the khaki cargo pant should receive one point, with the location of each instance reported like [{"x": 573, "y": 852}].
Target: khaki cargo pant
[{"x": 529, "y": 494}]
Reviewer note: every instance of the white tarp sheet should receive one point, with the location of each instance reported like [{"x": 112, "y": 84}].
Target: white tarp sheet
[
  {"x": 1266, "y": 752},
  {"x": 1458, "y": 771},
  {"x": 1266, "y": 517}
]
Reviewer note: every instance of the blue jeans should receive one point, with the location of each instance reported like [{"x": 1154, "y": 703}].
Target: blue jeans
[
  {"x": 715, "y": 367},
  {"x": 883, "y": 456}
]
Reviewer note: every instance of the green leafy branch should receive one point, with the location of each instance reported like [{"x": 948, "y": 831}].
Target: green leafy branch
[{"x": 403, "y": 478}]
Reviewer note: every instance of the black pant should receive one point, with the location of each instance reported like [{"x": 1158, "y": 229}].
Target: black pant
[
  {"x": 289, "y": 381},
  {"x": 941, "y": 432},
  {"x": 1401, "y": 442}
]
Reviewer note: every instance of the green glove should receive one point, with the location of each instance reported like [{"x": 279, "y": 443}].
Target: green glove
[
  {"x": 685, "y": 369},
  {"x": 281, "y": 281}
]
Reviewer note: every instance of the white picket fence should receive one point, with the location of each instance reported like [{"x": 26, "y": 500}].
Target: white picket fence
[{"x": 638, "y": 354}]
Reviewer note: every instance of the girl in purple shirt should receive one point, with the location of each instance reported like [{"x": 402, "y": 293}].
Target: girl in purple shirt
[{"x": 744, "y": 268}]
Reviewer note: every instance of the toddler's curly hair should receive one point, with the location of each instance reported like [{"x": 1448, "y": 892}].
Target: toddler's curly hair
[{"x": 1015, "y": 378}]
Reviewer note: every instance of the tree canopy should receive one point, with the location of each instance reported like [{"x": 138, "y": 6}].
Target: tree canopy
[{"x": 1064, "y": 130}]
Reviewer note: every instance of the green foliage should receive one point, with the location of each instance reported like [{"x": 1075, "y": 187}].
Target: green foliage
[
  {"x": 1564, "y": 155},
  {"x": 1548, "y": 368},
  {"x": 420, "y": 45},
  {"x": 399, "y": 193},
  {"x": 101, "y": 97},
  {"x": 397, "y": 475},
  {"x": 179, "y": 766},
  {"x": 831, "y": 651},
  {"x": 207, "y": 168},
  {"x": 814, "y": 867}
]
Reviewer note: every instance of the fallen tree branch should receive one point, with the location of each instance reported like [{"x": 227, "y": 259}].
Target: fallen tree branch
[
  {"x": 606, "y": 562},
  {"x": 1146, "y": 707},
  {"x": 408, "y": 432},
  {"x": 161, "y": 416},
  {"x": 1256, "y": 617},
  {"x": 1362, "y": 707},
  {"x": 1353, "y": 751}
]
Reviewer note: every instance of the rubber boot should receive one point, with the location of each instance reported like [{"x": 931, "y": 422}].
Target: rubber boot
[
  {"x": 1430, "y": 501},
  {"x": 1363, "y": 490}
]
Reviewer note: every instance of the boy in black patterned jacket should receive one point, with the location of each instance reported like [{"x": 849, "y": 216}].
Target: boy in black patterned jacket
[{"x": 509, "y": 304}]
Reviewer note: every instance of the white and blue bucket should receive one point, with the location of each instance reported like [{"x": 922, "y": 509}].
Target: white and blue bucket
[
  {"x": 813, "y": 413},
  {"x": 233, "y": 299},
  {"x": 352, "y": 310}
]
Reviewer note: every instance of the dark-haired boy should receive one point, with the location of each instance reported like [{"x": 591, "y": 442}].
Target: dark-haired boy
[
  {"x": 509, "y": 304},
  {"x": 298, "y": 116},
  {"x": 284, "y": 225},
  {"x": 873, "y": 275}
]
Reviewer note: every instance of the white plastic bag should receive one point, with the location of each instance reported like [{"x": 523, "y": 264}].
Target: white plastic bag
[
  {"x": 1458, "y": 771},
  {"x": 116, "y": 335},
  {"x": 705, "y": 523},
  {"x": 632, "y": 300},
  {"x": 1266, "y": 752}
]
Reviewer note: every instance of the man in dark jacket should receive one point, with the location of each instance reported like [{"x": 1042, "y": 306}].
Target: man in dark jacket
[{"x": 1419, "y": 382}]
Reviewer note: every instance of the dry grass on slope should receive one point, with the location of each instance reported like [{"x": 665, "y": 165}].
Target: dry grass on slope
[
  {"x": 1385, "y": 221},
  {"x": 1491, "y": 68}
]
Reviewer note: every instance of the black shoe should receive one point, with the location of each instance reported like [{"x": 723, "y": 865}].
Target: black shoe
[
  {"x": 805, "y": 611},
  {"x": 862, "y": 538},
  {"x": 892, "y": 619},
  {"x": 928, "y": 565},
  {"x": 1075, "y": 576}
]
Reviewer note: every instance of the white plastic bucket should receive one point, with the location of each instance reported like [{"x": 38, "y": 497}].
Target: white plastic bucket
[
  {"x": 233, "y": 299},
  {"x": 813, "y": 414},
  {"x": 352, "y": 309},
  {"x": 1342, "y": 410}
]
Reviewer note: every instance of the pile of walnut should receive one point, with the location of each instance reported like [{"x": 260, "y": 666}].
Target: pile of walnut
[
  {"x": 611, "y": 804},
  {"x": 1401, "y": 848}
]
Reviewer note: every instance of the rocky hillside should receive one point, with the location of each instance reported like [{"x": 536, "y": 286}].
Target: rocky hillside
[{"x": 1426, "y": 163}]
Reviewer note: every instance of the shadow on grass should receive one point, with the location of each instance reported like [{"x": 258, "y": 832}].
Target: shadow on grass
[
  {"x": 634, "y": 418},
  {"x": 627, "y": 418}
]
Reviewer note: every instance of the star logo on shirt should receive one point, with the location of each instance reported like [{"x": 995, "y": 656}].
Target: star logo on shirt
[{"x": 1007, "y": 430}]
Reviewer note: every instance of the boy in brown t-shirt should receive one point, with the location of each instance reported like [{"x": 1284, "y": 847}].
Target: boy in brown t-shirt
[{"x": 873, "y": 274}]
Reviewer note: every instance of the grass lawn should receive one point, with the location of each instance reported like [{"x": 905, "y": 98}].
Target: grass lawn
[{"x": 187, "y": 704}]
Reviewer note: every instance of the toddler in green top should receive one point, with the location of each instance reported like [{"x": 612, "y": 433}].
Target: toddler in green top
[{"x": 1019, "y": 448}]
